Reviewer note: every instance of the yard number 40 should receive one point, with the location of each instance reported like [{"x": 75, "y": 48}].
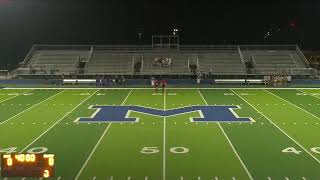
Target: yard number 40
[{"x": 295, "y": 151}]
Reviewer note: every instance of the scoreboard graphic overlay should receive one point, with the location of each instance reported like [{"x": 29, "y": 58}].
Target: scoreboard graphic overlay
[{"x": 27, "y": 165}]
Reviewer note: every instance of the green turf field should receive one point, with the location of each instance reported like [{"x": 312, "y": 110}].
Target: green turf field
[{"x": 283, "y": 142}]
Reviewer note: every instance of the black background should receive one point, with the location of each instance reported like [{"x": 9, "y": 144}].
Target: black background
[{"x": 27, "y": 22}]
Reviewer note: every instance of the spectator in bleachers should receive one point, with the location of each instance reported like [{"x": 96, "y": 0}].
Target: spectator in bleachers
[
  {"x": 162, "y": 61},
  {"x": 123, "y": 80},
  {"x": 210, "y": 74},
  {"x": 288, "y": 80}
]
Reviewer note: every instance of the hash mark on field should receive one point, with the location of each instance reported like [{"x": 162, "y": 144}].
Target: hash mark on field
[
  {"x": 97, "y": 144},
  {"x": 32, "y": 107},
  {"x": 316, "y": 159},
  {"x": 293, "y": 104},
  {"x": 227, "y": 138},
  {"x": 58, "y": 121}
]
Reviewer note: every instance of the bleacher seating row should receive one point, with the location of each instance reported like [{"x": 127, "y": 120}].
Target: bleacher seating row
[
  {"x": 122, "y": 61},
  {"x": 272, "y": 60}
]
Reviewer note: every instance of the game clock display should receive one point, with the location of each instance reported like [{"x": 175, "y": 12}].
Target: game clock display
[{"x": 27, "y": 165}]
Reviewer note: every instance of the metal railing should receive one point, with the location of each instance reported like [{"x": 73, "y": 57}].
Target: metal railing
[
  {"x": 302, "y": 56},
  {"x": 192, "y": 49},
  {"x": 241, "y": 57},
  {"x": 268, "y": 47},
  {"x": 28, "y": 57}
]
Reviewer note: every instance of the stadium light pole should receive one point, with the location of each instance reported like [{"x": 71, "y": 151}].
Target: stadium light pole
[
  {"x": 140, "y": 37},
  {"x": 175, "y": 31}
]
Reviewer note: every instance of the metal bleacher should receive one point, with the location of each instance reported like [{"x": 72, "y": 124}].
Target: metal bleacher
[
  {"x": 179, "y": 63},
  {"x": 271, "y": 59},
  {"x": 105, "y": 62},
  {"x": 65, "y": 59},
  {"x": 222, "y": 62},
  {"x": 110, "y": 60}
]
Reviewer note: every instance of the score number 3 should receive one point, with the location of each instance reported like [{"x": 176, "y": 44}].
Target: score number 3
[{"x": 50, "y": 157}]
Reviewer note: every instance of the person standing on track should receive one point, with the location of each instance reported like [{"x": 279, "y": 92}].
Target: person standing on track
[
  {"x": 156, "y": 85},
  {"x": 163, "y": 85}
]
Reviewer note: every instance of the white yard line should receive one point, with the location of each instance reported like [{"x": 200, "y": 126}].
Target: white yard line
[
  {"x": 32, "y": 107},
  {"x": 92, "y": 152},
  {"x": 309, "y": 94},
  {"x": 278, "y": 128},
  {"x": 164, "y": 150},
  {"x": 58, "y": 121},
  {"x": 293, "y": 105},
  {"x": 15, "y": 96},
  {"x": 97, "y": 144},
  {"x": 166, "y": 88},
  {"x": 234, "y": 150},
  {"x": 164, "y": 140}
]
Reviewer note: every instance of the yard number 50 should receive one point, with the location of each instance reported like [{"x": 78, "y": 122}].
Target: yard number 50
[{"x": 154, "y": 150}]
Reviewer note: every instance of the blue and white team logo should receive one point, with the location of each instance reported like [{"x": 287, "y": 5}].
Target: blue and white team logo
[{"x": 122, "y": 113}]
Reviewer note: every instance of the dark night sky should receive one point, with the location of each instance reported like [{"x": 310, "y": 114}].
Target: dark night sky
[{"x": 27, "y": 22}]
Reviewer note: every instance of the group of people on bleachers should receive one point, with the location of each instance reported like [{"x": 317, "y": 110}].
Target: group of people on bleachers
[
  {"x": 110, "y": 81},
  {"x": 162, "y": 61}
]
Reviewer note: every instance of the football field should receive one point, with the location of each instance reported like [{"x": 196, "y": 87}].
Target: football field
[{"x": 182, "y": 134}]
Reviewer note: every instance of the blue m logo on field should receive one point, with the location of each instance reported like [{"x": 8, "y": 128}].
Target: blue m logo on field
[{"x": 207, "y": 113}]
